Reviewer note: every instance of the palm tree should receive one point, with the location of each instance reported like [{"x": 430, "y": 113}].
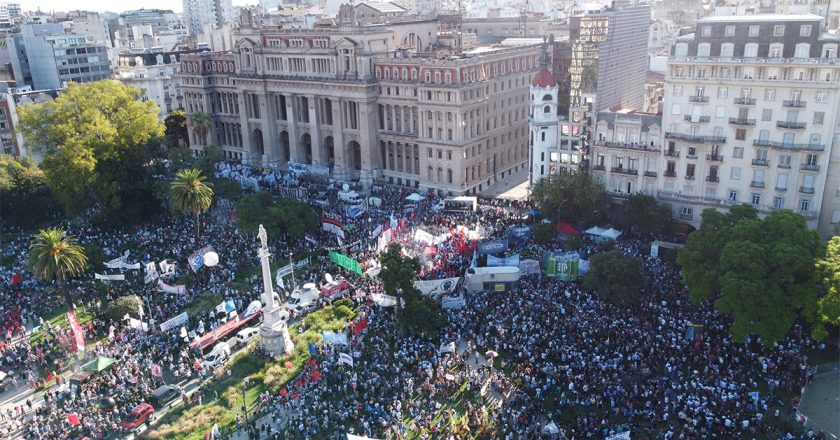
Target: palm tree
[
  {"x": 201, "y": 125},
  {"x": 56, "y": 256},
  {"x": 190, "y": 193}
]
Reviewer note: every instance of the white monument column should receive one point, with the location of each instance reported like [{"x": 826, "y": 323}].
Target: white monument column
[{"x": 274, "y": 332}]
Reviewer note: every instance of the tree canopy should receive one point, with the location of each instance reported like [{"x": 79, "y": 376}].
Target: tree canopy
[
  {"x": 700, "y": 257},
  {"x": 177, "y": 130},
  {"x": 287, "y": 216},
  {"x": 574, "y": 197},
  {"x": 96, "y": 140},
  {"x": 543, "y": 233},
  {"x": 416, "y": 313},
  {"x": 828, "y": 269},
  {"x": 25, "y": 198},
  {"x": 56, "y": 256},
  {"x": 615, "y": 277},
  {"x": 762, "y": 273},
  {"x": 646, "y": 215},
  {"x": 190, "y": 193}
]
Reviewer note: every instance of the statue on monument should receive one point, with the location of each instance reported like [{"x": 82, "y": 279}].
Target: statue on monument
[{"x": 273, "y": 332}]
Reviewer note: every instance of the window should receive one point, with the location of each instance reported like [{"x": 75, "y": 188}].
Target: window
[
  {"x": 689, "y": 171},
  {"x": 677, "y": 91},
  {"x": 769, "y": 94},
  {"x": 707, "y": 31},
  {"x": 803, "y": 50},
  {"x": 819, "y": 117},
  {"x": 729, "y": 31},
  {"x": 758, "y": 176},
  {"x": 821, "y": 97},
  {"x": 756, "y": 199},
  {"x": 735, "y": 173},
  {"x": 767, "y": 114},
  {"x": 805, "y": 30},
  {"x": 722, "y": 92},
  {"x": 781, "y": 181},
  {"x": 784, "y": 161},
  {"x": 738, "y": 152},
  {"x": 703, "y": 49},
  {"x": 726, "y": 50},
  {"x": 811, "y": 159},
  {"x": 778, "y": 202},
  {"x": 750, "y": 50},
  {"x": 675, "y": 109},
  {"x": 754, "y": 31},
  {"x": 720, "y": 111},
  {"x": 804, "y": 205},
  {"x": 733, "y": 196},
  {"x": 740, "y": 134},
  {"x": 779, "y": 30},
  {"x": 776, "y": 50}
]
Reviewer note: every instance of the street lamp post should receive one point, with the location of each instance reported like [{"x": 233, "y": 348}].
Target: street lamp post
[{"x": 245, "y": 382}]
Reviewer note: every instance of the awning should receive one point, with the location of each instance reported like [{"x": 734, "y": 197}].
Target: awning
[
  {"x": 98, "y": 364},
  {"x": 611, "y": 234},
  {"x": 595, "y": 231},
  {"x": 566, "y": 229},
  {"x": 415, "y": 197}
]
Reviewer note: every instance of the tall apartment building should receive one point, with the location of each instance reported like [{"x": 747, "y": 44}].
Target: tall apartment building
[
  {"x": 147, "y": 28},
  {"x": 45, "y": 56},
  {"x": 375, "y": 102},
  {"x": 199, "y": 12},
  {"x": 9, "y": 16},
  {"x": 155, "y": 74},
  {"x": 750, "y": 115}
]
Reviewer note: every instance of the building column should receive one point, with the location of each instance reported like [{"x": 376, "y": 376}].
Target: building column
[
  {"x": 365, "y": 118},
  {"x": 295, "y": 148},
  {"x": 248, "y": 156},
  {"x": 340, "y": 167},
  {"x": 314, "y": 133}
]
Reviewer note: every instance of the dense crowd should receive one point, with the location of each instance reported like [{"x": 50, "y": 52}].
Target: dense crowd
[{"x": 662, "y": 369}]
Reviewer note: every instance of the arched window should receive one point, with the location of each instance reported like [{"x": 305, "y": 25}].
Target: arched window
[
  {"x": 547, "y": 109},
  {"x": 547, "y": 98}
]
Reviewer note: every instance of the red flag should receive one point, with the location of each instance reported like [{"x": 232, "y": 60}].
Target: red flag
[
  {"x": 316, "y": 376},
  {"x": 78, "y": 334},
  {"x": 283, "y": 392},
  {"x": 73, "y": 419},
  {"x": 49, "y": 377},
  {"x": 295, "y": 396},
  {"x": 311, "y": 362},
  {"x": 301, "y": 383},
  {"x": 16, "y": 279}
]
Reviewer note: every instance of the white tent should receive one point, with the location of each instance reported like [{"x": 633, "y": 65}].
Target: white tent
[
  {"x": 611, "y": 234},
  {"x": 595, "y": 231},
  {"x": 551, "y": 429},
  {"x": 414, "y": 197}
]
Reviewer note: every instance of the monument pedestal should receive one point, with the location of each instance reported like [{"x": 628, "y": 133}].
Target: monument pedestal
[{"x": 275, "y": 334}]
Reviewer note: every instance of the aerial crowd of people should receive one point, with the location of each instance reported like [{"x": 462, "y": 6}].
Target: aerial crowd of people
[{"x": 547, "y": 359}]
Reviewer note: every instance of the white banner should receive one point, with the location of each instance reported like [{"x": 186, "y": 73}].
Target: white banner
[
  {"x": 377, "y": 231},
  {"x": 384, "y": 300},
  {"x": 254, "y": 307},
  {"x": 421, "y": 236},
  {"x": 529, "y": 267},
  {"x": 623, "y": 436},
  {"x": 437, "y": 287},
  {"x": 179, "y": 289},
  {"x": 512, "y": 260},
  {"x": 287, "y": 269},
  {"x": 166, "y": 268},
  {"x": 453, "y": 302},
  {"x": 333, "y": 229},
  {"x": 344, "y": 358},
  {"x": 151, "y": 272},
  {"x": 447, "y": 348},
  {"x": 122, "y": 263},
  {"x": 335, "y": 338},
  {"x": 117, "y": 277},
  {"x": 174, "y": 322},
  {"x": 384, "y": 239}
]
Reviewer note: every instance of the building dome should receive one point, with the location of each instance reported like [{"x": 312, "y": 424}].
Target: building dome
[{"x": 544, "y": 78}]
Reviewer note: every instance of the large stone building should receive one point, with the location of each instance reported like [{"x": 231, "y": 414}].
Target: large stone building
[
  {"x": 197, "y": 13},
  {"x": 750, "y": 115},
  {"x": 368, "y": 102}
]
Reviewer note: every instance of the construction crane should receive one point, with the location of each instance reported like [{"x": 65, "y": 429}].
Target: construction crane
[{"x": 523, "y": 18}]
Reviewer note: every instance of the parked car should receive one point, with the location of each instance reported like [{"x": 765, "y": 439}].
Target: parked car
[
  {"x": 163, "y": 396},
  {"x": 245, "y": 336},
  {"x": 303, "y": 300},
  {"x": 136, "y": 417},
  {"x": 218, "y": 355}
]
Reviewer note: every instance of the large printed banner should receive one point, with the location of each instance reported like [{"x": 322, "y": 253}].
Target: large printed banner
[
  {"x": 421, "y": 236},
  {"x": 78, "y": 334},
  {"x": 492, "y": 247},
  {"x": 383, "y": 300},
  {"x": 116, "y": 277},
  {"x": 180, "y": 289},
  {"x": 334, "y": 227},
  {"x": 287, "y": 269},
  {"x": 512, "y": 260},
  {"x": 529, "y": 267},
  {"x": 453, "y": 302},
  {"x": 563, "y": 267},
  {"x": 196, "y": 259},
  {"x": 174, "y": 322},
  {"x": 436, "y": 288},
  {"x": 122, "y": 263},
  {"x": 384, "y": 239},
  {"x": 151, "y": 272},
  {"x": 346, "y": 262}
]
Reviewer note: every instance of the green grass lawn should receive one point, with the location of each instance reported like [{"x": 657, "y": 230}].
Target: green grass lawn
[
  {"x": 192, "y": 422},
  {"x": 205, "y": 302}
]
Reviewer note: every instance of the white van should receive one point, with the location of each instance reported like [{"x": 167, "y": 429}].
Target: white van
[
  {"x": 244, "y": 336},
  {"x": 350, "y": 197},
  {"x": 499, "y": 279},
  {"x": 303, "y": 300},
  {"x": 215, "y": 358}
]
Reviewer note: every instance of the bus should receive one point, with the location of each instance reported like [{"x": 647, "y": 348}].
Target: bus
[
  {"x": 460, "y": 204},
  {"x": 500, "y": 278},
  {"x": 204, "y": 343}
]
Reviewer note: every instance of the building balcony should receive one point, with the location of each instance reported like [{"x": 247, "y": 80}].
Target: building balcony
[
  {"x": 713, "y": 179},
  {"x": 695, "y": 138},
  {"x": 787, "y": 146},
  {"x": 809, "y": 167},
  {"x": 650, "y": 173},
  {"x": 698, "y": 98},
  {"x": 689, "y": 177},
  {"x": 598, "y": 167},
  {"x": 672, "y": 153},
  {"x": 780, "y": 189},
  {"x": 761, "y": 162},
  {"x": 756, "y": 184},
  {"x": 627, "y": 146},
  {"x": 686, "y": 217},
  {"x": 622, "y": 170},
  {"x": 700, "y": 119},
  {"x": 740, "y": 121},
  {"x": 670, "y": 174},
  {"x": 691, "y": 155},
  {"x": 714, "y": 158},
  {"x": 791, "y": 125},
  {"x": 744, "y": 101},
  {"x": 793, "y": 104},
  {"x": 785, "y": 166},
  {"x": 806, "y": 189}
]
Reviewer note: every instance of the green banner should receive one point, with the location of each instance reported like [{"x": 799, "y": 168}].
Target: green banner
[
  {"x": 564, "y": 269},
  {"x": 346, "y": 262}
]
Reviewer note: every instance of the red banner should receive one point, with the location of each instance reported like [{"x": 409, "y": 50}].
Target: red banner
[
  {"x": 73, "y": 419},
  {"x": 78, "y": 333}
]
